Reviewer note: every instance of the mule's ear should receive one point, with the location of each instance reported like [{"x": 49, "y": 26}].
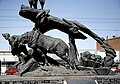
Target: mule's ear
[{"x": 3, "y": 35}]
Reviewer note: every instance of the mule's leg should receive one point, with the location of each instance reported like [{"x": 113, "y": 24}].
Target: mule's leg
[
  {"x": 62, "y": 50},
  {"x": 43, "y": 55},
  {"x": 69, "y": 55}
]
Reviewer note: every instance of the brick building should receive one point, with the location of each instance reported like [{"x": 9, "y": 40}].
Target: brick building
[{"x": 114, "y": 43}]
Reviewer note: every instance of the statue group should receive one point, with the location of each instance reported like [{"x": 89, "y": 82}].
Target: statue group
[{"x": 36, "y": 59}]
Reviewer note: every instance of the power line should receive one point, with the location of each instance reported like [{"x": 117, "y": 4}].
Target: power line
[
  {"x": 103, "y": 22},
  {"x": 6, "y": 20},
  {"x": 15, "y": 27},
  {"x": 86, "y": 21},
  {"x": 87, "y": 18},
  {"x": 8, "y": 10},
  {"x": 3, "y": 16},
  {"x": 105, "y": 29},
  {"x": 32, "y": 26}
]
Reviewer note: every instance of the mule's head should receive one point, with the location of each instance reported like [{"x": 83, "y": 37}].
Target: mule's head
[
  {"x": 29, "y": 13},
  {"x": 6, "y": 36},
  {"x": 17, "y": 43},
  {"x": 24, "y": 38},
  {"x": 32, "y": 14},
  {"x": 12, "y": 42}
]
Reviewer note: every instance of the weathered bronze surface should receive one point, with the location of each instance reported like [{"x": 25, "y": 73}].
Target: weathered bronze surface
[{"x": 36, "y": 62}]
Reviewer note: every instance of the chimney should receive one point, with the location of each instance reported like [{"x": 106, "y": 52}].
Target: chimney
[{"x": 106, "y": 37}]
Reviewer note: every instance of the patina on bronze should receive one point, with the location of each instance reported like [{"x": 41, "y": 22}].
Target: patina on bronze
[{"x": 39, "y": 62}]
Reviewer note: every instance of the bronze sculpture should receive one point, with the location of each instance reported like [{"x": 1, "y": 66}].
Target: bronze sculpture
[
  {"x": 66, "y": 26},
  {"x": 42, "y": 44},
  {"x": 30, "y": 56},
  {"x": 46, "y": 44}
]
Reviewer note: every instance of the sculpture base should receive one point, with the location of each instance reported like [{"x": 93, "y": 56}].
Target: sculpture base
[
  {"x": 11, "y": 79},
  {"x": 58, "y": 71}
]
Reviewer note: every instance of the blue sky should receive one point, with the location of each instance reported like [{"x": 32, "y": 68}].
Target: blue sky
[{"x": 101, "y": 16}]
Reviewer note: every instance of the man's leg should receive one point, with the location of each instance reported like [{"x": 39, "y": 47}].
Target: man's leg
[
  {"x": 30, "y": 3},
  {"x": 73, "y": 49},
  {"x": 27, "y": 65},
  {"x": 42, "y": 2},
  {"x": 35, "y": 39},
  {"x": 35, "y": 4}
]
